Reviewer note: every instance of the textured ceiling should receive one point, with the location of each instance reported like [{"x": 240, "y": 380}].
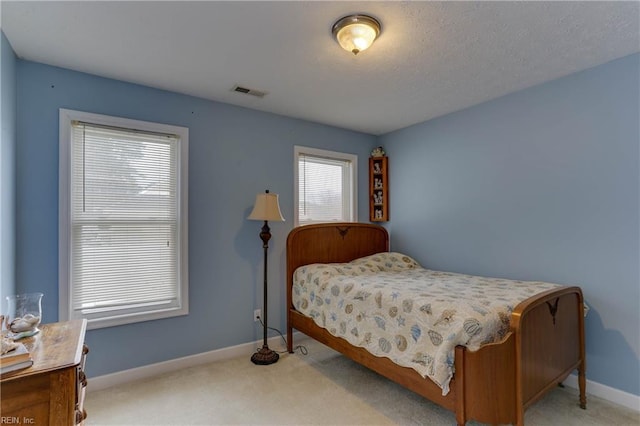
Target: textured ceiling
[{"x": 432, "y": 58}]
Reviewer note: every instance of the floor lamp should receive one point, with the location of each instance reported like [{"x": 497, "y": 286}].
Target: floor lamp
[{"x": 266, "y": 208}]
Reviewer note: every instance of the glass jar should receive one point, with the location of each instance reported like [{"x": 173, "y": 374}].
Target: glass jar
[{"x": 24, "y": 313}]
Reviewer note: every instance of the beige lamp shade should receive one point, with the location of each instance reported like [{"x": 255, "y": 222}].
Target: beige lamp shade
[{"x": 266, "y": 208}]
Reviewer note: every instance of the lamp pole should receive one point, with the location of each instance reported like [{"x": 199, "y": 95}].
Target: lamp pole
[{"x": 265, "y": 356}]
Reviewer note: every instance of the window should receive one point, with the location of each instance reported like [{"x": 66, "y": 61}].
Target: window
[
  {"x": 325, "y": 186},
  {"x": 123, "y": 219}
]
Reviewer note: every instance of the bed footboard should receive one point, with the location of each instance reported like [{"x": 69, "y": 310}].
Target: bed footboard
[
  {"x": 545, "y": 345},
  {"x": 549, "y": 344}
]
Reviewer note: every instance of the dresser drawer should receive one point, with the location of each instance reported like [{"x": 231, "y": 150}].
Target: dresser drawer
[{"x": 26, "y": 400}]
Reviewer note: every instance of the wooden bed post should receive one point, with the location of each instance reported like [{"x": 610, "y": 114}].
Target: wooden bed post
[
  {"x": 289, "y": 334},
  {"x": 582, "y": 369},
  {"x": 289, "y": 308},
  {"x": 519, "y": 408},
  {"x": 458, "y": 383}
]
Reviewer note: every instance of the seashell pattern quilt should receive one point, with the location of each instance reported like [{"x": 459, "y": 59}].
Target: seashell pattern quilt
[{"x": 391, "y": 306}]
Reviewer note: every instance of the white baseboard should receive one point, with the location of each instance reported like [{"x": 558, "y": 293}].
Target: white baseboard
[
  {"x": 146, "y": 371},
  {"x": 121, "y": 377},
  {"x": 608, "y": 393}
]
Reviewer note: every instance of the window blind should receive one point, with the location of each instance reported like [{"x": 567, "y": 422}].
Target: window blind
[
  {"x": 323, "y": 189},
  {"x": 124, "y": 219}
]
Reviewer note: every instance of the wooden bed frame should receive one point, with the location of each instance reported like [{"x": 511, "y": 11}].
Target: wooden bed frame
[{"x": 492, "y": 385}]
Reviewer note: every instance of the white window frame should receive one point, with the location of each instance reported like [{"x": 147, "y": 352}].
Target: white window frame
[
  {"x": 105, "y": 319},
  {"x": 350, "y": 180}
]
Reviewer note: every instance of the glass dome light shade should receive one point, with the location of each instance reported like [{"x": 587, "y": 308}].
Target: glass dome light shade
[{"x": 356, "y": 33}]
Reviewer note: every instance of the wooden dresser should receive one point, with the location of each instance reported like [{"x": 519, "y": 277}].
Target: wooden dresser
[{"x": 51, "y": 392}]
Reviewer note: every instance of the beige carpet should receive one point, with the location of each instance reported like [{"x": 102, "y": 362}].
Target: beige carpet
[{"x": 321, "y": 388}]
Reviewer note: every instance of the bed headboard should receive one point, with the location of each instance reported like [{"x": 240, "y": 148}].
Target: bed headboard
[{"x": 333, "y": 243}]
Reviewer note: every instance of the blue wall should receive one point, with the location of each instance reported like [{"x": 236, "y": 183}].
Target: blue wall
[
  {"x": 542, "y": 184},
  {"x": 234, "y": 153},
  {"x": 7, "y": 169}
]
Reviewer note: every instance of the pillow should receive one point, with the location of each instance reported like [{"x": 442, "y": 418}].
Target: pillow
[{"x": 387, "y": 262}]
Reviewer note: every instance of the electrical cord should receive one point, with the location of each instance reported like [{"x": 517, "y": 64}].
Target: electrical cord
[{"x": 302, "y": 348}]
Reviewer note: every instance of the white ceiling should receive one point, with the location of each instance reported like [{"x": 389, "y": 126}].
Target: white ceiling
[{"x": 432, "y": 58}]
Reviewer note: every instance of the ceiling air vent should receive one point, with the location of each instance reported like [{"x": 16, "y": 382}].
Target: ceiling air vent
[{"x": 247, "y": 91}]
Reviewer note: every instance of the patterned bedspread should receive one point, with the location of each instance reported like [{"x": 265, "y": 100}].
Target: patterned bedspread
[{"x": 391, "y": 306}]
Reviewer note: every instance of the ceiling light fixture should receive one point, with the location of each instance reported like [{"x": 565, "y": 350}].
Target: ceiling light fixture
[{"x": 356, "y": 33}]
